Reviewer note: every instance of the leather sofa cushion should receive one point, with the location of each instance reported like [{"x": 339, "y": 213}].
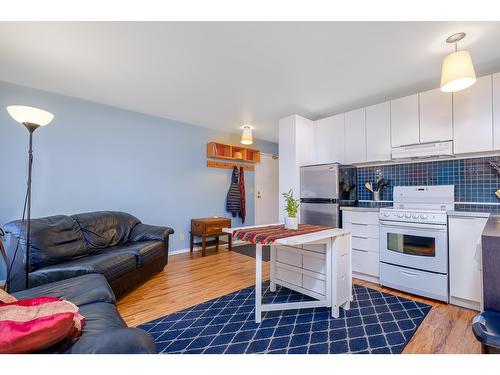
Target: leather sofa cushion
[
  {"x": 144, "y": 251},
  {"x": 54, "y": 239},
  {"x": 105, "y": 228},
  {"x": 112, "y": 266},
  {"x": 99, "y": 317},
  {"x": 115, "y": 341},
  {"x": 80, "y": 290}
]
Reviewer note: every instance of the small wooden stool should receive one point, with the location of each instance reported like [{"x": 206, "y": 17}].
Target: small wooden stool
[{"x": 209, "y": 227}]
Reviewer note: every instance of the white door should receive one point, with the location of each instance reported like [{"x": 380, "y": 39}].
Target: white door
[
  {"x": 266, "y": 190},
  {"x": 355, "y": 136},
  {"x": 330, "y": 139},
  {"x": 465, "y": 257},
  {"x": 436, "y": 119},
  {"x": 404, "y": 121},
  {"x": 378, "y": 132},
  {"x": 473, "y": 117},
  {"x": 496, "y": 110}
]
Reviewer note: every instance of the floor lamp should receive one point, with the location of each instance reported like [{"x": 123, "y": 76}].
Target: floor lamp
[{"x": 32, "y": 118}]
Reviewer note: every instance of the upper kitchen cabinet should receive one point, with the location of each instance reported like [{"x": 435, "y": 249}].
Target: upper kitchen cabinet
[
  {"x": 355, "y": 137},
  {"x": 296, "y": 148},
  {"x": 405, "y": 121},
  {"x": 378, "y": 132},
  {"x": 436, "y": 118},
  {"x": 330, "y": 139},
  {"x": 473, "y": 117},
  {"x": 496, "y": 111}
]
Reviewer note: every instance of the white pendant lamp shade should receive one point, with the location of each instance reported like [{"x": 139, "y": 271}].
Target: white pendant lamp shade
[
  {"x": 457, "y": 72},
  {"x": 29, "y": 115},
  {"x": 246, "y": 135}
]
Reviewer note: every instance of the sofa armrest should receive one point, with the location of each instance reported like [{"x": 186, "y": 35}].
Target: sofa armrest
[
  {"x": 145, "y": 232},
  {"x": 17, "y": 263},
  {"x": 115, "y": 341}
]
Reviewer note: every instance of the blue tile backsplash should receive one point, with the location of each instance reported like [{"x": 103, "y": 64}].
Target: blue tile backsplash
[{"x": 475, "y": 179}]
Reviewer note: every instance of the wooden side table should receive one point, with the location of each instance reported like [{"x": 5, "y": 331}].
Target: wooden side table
[{"x": 209, "y": 227}]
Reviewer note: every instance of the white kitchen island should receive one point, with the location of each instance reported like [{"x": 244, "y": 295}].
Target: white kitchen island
[{"x": 316, "y": 264}]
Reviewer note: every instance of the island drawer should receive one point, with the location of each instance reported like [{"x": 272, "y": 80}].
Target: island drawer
[
  {"x": 314, "y": 285},
  {"x": 289, "y": 276}
]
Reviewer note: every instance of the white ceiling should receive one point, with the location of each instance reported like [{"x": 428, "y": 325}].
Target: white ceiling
[{"x": 223, "y": 75}]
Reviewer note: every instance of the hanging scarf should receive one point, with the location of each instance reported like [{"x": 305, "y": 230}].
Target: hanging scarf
[{"x": 242, "y": 195}]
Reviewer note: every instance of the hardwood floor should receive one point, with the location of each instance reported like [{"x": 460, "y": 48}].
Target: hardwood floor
[{"x": 191, "y": 279}]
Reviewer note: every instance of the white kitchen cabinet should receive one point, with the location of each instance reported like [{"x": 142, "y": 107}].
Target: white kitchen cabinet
[
  {"x": 355, "y": 136},
  {"x": 473, "y": 119},
  {"x": 364, "y": 227},
  {"x": 296, "y": 148},
  {"x": 436, "y": 116},
  {"x": 465, "y": 260},
  {"x": 330, "y": 137},
  {"x": 378, "y": 132},
  {"x": 496, "y": 111},
  {"x": 405, "y": 121}
]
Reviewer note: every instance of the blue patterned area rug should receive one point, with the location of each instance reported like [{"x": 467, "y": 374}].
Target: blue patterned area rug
[{"x": 376, "y": 323}]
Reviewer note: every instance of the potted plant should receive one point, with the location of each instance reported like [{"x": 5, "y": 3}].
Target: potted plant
[{"x": 291, "y": 208}]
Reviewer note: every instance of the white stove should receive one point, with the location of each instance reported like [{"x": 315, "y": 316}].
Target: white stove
[{"x": 414, "y": 240}]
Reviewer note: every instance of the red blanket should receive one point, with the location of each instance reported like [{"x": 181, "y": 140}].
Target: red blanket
[{"x": 268, "y": 235}]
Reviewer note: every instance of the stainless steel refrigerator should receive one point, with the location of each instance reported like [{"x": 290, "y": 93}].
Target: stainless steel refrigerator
[{"x": 323, "y": 189}]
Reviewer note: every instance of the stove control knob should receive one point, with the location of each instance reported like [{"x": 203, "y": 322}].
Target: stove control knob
[
  {"x": 387, "y": 214},
  {"x": 415, "y": 216},
  {"x": 423, "y": 216},
  {"x": 400, "y": 214},
  {"x": 407, "y": 215}
]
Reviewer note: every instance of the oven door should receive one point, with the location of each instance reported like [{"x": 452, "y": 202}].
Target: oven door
[{"x": 419, "y": 246}]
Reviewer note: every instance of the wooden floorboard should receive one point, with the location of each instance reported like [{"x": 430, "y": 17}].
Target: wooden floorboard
[{"x": 191, "y": 279}]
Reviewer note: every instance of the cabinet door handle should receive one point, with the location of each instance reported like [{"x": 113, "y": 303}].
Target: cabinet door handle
[
  {"x": 363, "y": 224},
  {"x": 411, "y": 274},
  {"x": 360, "y": 250},
  {"x": 477, "y": 255},
  {"x": 362, "y": 237}
]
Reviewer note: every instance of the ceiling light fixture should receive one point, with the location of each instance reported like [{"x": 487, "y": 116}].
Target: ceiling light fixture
[
  {"x": 246, "y": 135},
  {"x": 457, "y": 71}
]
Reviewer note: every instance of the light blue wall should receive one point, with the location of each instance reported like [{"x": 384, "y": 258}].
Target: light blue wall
[{"x": 96, "y": 157}]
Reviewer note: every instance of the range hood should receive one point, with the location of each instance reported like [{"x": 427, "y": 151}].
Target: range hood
[{"x": 423, "y": 150}]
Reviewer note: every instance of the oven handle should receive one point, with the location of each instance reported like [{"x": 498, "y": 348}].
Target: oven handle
[{"x": 428, "y": 227}]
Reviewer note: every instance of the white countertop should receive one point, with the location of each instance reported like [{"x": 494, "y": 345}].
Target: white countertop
[
  {"x": 453, "y": 213},
  {"x": 361, "y": 209}
]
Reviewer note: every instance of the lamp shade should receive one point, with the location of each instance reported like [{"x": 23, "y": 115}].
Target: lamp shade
[
  {"x": 29, "y": 115},
  {"x": 246, "y": 135},
  {"x": 457, "y": 72}
]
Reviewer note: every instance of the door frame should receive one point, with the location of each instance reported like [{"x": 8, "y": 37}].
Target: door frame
[{"x": 275, "y": 157}]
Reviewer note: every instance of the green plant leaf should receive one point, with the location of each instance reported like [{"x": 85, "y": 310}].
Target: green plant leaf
[{"x": 291, "y": 204}]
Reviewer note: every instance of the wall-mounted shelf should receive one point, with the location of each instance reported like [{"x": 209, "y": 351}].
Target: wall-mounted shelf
[
  {"x": 229, "y": 152},
  {"x": 221, "y": 164}
]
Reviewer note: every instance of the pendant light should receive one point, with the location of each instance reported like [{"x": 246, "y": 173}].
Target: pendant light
[
  {"x": 457, "y": 72},
  {"x": 246, "y": 135}
]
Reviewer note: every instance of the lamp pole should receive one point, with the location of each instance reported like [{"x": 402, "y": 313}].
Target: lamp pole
[
  {"x": 32, "y": 118},
  {"x": 31, "y": 128}
]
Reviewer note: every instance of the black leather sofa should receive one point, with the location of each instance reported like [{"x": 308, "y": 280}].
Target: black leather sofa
[
  {"x": 114, "y": 244},
  {"x": 104, "y": 331}
]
